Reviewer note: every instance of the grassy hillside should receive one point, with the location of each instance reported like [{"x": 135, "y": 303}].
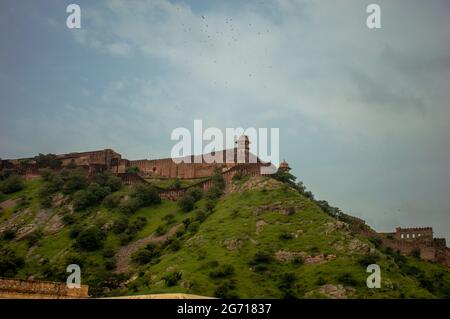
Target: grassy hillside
[{"x": 263, "y": 239}]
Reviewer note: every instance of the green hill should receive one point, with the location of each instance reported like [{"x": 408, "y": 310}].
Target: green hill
[{"x": 261, "y": 239}]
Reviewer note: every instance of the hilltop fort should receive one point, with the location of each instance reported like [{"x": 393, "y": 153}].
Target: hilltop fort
[{"x": 198, "y": 173}]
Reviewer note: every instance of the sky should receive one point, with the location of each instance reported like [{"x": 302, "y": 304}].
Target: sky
[{"x": 363, "y": 113}]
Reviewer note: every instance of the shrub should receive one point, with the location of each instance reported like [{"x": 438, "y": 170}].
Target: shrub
[
  {"x": 75, "y": 231},
  {"x": 137, "y": 225},
  {"x": 74, "y": 258},
  {"x": 34, "y": 237},
  {"x": 187, "y": 221},
  {"x": 200, "y": 216},
  {"x": 146, "y": 195},
  {"x": 193, "y": 227},
  {"x": 169, "y": 218},
  {"x": 286, "y": 285},
  {"x": 125, "y": 238},
  {"x": 8, "y": 234},
  {"x": 68, "y": 219},
  {"x": 76, "y": 180},
  {"x": 176, "y": 184},
  {"x": 286, "y": 236},
  {"x": 130, "y": 206},
  {"x": 10, "y": 263},
  {"x": 110, "y": 264},
  {"x": 108, "y": 180},
  {"x": 261, "y": 258},
  {"x": 222, "y": 271},
  {"x": 120, "y": 225},
  {"x": 6, "y": 173},
  {"x": 368, "y": 259},
  {"x": 97, "y": 192},
  {"x": 209, "y": 205},
  {"x": 217, "y": 180},
  {"x": 195, "y": 192},
  {"x": 298, "y": 261},
  {"x": 55, "y": 184},
  {"x": 172, "y": 278},
  {"x": 12, "y": 184},
  {"x": 320, "y": 281},
  {"x": 376, "y": 241},
  {"x": 347, "y": 278},
  {"x": 91, "y": 239},
  {"x": 175, "y": 245},
  {"x": 81, "y": 200},
  {"x": 225, "y": 290},
  {"x": 112, "y": 201},
  {"x": 108, "y": 252},
  {"x": 416, "y": 253},
  {"x": 143, "y": 256},
  {"x": 213, "y": 193},
  {"x": 132, "y": 170},
  {"x": 90, "y": 196},
  {"x": 161, "y": 230},
  {"x": 186, "y": 203}
]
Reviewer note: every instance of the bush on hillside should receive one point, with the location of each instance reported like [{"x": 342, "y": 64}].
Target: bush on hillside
[
  {"x": 12, "y": 184},
  {"x": 222, "y": 271},
  {"x": 146, "y": 195},
  {"x": 108, "y": 180},
  {"x": 120, "y": 225},
  {"x": 34, "y": 237},
  {"x": 130, "y": 206},
  {"x": 186, "y": 203},
  {"x": 225, "y": 290},
  {"x": 195, "y": 192},
  {"x": 10, "y": 262},
  {"x": 8, "y": 234},
  {"x": 172, "y": 278},
  {"x": 76, "y": 180},
  {"x": 347, "y": 278},
  {"x": 368, "y": 259},
  {"x": 91, "y": 239},
  {"x": 112, "y": 200}
]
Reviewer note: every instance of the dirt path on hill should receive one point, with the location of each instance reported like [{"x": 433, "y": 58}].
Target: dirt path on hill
[{"x": 125, "y": 252}]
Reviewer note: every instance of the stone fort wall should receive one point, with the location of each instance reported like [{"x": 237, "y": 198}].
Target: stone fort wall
[{"x": 30, "y": 289}]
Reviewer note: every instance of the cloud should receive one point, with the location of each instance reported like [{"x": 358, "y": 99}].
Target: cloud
[{"x": 363, "y": 114}]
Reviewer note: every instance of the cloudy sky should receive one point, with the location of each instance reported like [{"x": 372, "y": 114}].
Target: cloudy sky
[{"x": 363, "y": 114}]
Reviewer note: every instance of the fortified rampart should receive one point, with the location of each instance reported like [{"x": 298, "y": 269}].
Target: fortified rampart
[{"x": 30, "y": 289}]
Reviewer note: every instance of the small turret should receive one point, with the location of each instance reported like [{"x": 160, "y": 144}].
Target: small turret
[
  {"x": 243, "y": 149},
  {"x": 284, "y": 166}
]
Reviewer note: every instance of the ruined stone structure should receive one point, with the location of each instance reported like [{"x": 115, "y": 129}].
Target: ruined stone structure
[
  {"x": 417, "y": 240},
  {"x": 30, "y": 289}
]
